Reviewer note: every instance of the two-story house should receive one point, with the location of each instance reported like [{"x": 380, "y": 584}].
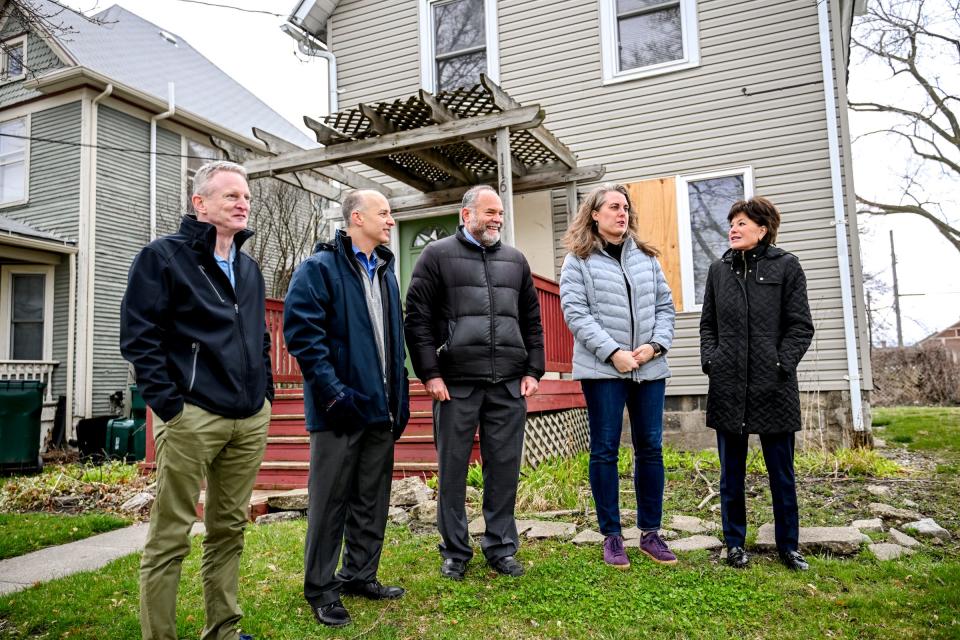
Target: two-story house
[
  {"x": 692, "y": 104},
  {"x": 102, "y": 123}
]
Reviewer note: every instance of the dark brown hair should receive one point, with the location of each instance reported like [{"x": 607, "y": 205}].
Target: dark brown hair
[{"x": 762, "y": 212}]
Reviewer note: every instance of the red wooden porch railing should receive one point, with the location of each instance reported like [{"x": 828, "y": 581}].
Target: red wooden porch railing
[{"x": 558, "y": 341}]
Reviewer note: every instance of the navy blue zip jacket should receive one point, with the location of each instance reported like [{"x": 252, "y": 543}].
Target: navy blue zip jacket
[
  {"x": 189, "y": 334},
  {"x": 327, "y": 328}
]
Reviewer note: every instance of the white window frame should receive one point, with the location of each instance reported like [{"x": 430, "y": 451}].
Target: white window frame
[
  {"x": 5, "y": 58},
  {"x": 6, "y": 305},
  {"x": 26, "y": 162},
  {"x": 428, "y": 61},
  {"x": 684, "y": 234},
  {"x": 610, "y": 49},
  {"x": 185, "y": 164}
]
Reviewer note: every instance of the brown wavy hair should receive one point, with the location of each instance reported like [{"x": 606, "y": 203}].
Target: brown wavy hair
[{"x": 583, "y": 238}]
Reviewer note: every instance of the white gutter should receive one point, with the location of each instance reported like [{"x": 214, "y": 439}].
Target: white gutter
[
  {"x": 839, "y": 215},
  {"x": 310, "y": 45},
  {"x": 171, "y": 109}
]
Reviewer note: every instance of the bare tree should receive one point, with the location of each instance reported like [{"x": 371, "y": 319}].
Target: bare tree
[
  {"x": 919, "y": 41},
  {"x": 35, "y": 17}
]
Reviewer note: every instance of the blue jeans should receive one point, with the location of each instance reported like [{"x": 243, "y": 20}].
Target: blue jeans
[{"x": 606, "y": 400}]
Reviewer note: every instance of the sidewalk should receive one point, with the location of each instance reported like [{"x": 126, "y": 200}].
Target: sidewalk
[{"x": 88, "y": 554}]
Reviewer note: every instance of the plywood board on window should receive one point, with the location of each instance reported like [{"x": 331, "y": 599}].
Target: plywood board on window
[{"x": 656, "y": 203}]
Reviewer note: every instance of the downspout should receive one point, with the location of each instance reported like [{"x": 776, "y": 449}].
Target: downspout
[
  {"x": 311, "y": 46},
  {"x": 839, "y": 216},
  {"x": 171, "y": 109}
]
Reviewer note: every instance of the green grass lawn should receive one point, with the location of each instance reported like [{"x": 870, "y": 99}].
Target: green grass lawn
[
  {"x": 22, "y": 533},
  {"x": 569, "y": 593}
]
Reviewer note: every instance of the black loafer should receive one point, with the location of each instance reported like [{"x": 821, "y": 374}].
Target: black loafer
[
  {"x": 794, "y": 561},
  {"x": 453, "y": 569},
  {"x": 737, "y": 557},
  {"x": 332, "y": 615},
  {"x": 371, "y": 590},
  {"x": 507, "y": 566}
]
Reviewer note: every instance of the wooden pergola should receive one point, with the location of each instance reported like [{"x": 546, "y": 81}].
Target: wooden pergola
[{"x": 437, "y": 146}]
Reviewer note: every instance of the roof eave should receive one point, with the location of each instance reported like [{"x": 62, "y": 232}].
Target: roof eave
[{"x": 76, "y": 77}]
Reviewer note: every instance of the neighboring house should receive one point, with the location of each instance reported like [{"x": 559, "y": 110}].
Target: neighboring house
[
  {"x": 949, "y": 338},
  {"x": 79, "y": 193},
  {"x": 691, "y": 103}
]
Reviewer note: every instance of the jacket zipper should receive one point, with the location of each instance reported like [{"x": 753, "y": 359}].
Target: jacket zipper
[
  {"x": 626, "y": 283},
  {"x": 212, "y": 286},
  {"x": 193, "y": 371},
  {"x": 493, "y": 319},
  {"x": 746, "y": 365}
]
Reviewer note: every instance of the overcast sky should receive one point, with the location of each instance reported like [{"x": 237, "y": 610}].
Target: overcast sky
[{"x": 251, "y": 48}]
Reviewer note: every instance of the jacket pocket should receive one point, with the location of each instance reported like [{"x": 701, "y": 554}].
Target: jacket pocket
[{"x": 193, "y": 367}]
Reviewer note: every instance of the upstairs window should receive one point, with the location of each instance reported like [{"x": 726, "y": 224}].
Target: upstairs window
[
  {"x": 14, "y": 148},
  {"x": 13, "y": 57},
  {"x": 647, "y": 37},
  {"x": 458, "y": 43}
]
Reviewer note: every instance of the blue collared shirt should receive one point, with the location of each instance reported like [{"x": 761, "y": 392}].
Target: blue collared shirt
[
  {"x": 369, "y": 263},
  {"x": 226, "y": 264},
  {"x": 470, "y": 237}
]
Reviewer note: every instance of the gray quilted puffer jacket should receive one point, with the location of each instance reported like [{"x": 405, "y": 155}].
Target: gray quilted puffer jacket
[{"x": 611, "y": 305}]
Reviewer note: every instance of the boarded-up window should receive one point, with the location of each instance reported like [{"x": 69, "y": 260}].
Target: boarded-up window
[{"x": 685, "y": 218}]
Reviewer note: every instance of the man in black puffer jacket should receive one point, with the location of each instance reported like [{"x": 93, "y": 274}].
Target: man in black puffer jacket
[
  {"x": 192, "y": 325},
  {"x": 475, "y": 339}
]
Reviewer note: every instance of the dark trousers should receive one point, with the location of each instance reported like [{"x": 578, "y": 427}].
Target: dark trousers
[
  {"x": 349, "y": 495},
  {"x": 606, "y": 400},
  {"x": 501, "y": 413},
  {"x": 778, "y": 454}
]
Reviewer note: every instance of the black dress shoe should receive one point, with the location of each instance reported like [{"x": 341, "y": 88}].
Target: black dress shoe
[
  {"x": 453, "y": 569},
  {"x": 508, "y": 566},
  {"x": 794, "y": 561},
  {"x": 371, "y": 590},
  {"x": 737, "y": 557},
  {"x": 332, "y": 615}
]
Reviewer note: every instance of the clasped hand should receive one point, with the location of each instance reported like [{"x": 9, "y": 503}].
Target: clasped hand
[{"x": 626, "y": 361}]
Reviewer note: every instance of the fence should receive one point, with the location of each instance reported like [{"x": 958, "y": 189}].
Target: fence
[{"x": 922, "y": 375}]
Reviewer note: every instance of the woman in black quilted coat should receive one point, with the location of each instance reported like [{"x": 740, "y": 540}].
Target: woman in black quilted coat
[{"x": 754, "y": 329}]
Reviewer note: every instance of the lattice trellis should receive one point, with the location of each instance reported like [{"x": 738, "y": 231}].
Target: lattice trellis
[
  {"x": 557, "y": 433},
  {"x": 405, "y": 114}
]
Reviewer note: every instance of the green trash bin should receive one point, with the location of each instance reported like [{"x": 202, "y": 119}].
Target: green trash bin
[
  {"x": 138, "y": 408},
  {"x": 126, "y": 438},
  {"x": 21, "y": 405}
]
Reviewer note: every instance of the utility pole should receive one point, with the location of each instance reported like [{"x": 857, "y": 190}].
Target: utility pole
[{"x": 896, "y": 292}]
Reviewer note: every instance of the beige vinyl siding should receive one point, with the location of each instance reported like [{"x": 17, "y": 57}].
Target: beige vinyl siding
[
  {"x": 122, "y": 229},
  {"x": 685, "y": 122}
]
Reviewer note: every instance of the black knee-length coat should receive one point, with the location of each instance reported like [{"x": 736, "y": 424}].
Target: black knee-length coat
[{"x": 754, "y": 329}]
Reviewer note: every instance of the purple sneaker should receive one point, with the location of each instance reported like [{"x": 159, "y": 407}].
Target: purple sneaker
[
  {"x": 614, "y": 554},
  {"x": 653, "y": 545}
]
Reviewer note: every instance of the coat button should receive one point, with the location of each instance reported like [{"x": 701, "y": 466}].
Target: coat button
[{"x": 761, "y": 277}]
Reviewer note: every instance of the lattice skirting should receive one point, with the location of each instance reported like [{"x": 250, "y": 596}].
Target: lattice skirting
[{"x": 555, "y": 433}]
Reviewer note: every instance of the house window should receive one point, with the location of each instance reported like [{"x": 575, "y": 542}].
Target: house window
[
  {"x": 13, "y": 161},
  {"x": 647, "y": 37},
  {"x": 703, "y": 202},
  {"x": 458, "y": 43},
  {"x": 13, "y": 59},
  {"x": 198, "y": 154},
  {"x": 26, "y": 312}
]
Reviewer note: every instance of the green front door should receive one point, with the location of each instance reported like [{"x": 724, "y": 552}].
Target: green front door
[{"x": 417, "y": 234}]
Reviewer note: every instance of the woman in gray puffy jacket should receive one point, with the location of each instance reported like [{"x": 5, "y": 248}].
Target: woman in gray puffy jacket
[{"x": 618, "y": 305}]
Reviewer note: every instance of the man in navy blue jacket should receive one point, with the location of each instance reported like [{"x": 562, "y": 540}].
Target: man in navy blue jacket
[{"x": 343, "y": 323}]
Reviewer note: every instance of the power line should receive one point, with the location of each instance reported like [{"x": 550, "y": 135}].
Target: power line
[
  {"x": 70, "y": 143},
  {"x": 228, "y": 6}
]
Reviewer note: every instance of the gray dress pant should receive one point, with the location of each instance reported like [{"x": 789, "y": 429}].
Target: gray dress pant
[
  {"x": 349, "y": 495},
  {"x": 501, "y": 413}
]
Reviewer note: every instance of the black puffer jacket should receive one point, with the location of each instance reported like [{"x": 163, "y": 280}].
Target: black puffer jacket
[
  {"x": 754, "y": 329},
  {"x": 473, "y": 314},
  {"x": 190, "y": 335}
]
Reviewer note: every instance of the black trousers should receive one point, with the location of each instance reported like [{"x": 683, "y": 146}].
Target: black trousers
[
  {"x": 501, "y": 412},
  {"x": 349, "y": 489},
  {"x": 778, "y": 449}
]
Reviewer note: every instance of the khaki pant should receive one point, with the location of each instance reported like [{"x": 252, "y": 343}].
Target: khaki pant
[{"x": 194, "y": 446}]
